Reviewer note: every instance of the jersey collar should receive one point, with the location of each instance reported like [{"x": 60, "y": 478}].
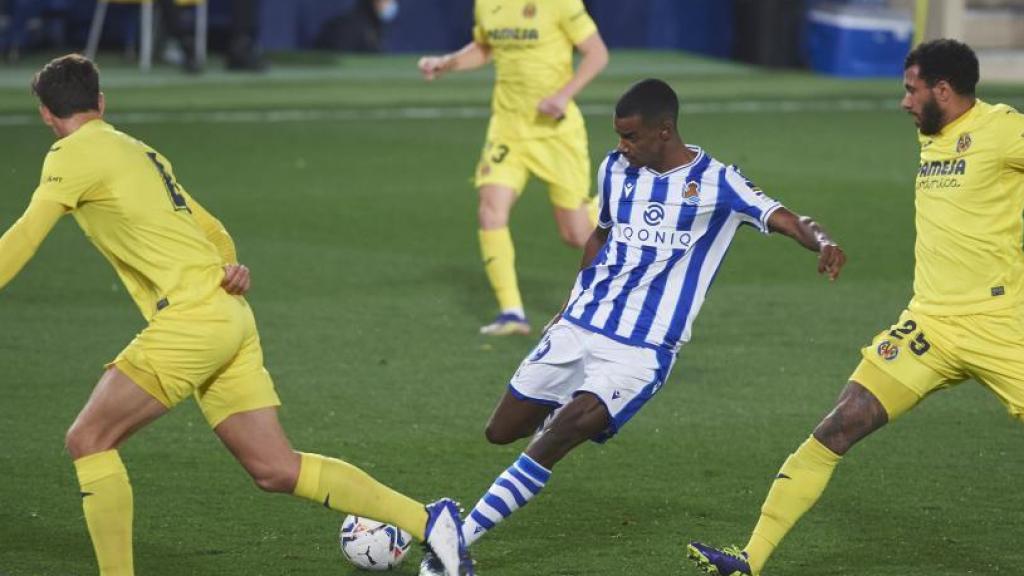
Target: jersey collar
[
  {"x": 964, "y": 118},
  {"x": 699, "y": 154}
]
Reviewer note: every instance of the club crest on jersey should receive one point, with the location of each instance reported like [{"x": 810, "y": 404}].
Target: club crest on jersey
[
  {"x": 887, "y": 350},
  {"x": 530, "y": 10},
  {"x": 691, "y": 195},
  {"x": 963, "y": 142}
]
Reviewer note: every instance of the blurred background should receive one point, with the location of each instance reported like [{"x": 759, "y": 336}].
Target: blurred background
[{"x": 851, "y": 38}]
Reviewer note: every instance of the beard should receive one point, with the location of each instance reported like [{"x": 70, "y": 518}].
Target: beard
[{"x": 931, "y": 118}]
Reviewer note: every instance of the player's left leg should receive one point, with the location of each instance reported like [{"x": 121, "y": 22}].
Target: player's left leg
[
  {"x": 498, "y": 254},
  {"x": 117, "y": 408},
  {"x": 258, "y": 442},
  {"x": 241, "y": 407},
  {"x": 500, "y": 178},
  {"x": 605, "y": 382},
  {"x": 576, "y": 224},
  {"x": 581, "y": 419}
]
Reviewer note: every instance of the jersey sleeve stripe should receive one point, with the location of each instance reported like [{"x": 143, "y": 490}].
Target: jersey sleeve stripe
[{"x": 604, "y": 175}]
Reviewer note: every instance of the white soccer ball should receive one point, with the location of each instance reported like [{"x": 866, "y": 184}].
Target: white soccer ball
[{"x": 373, "y": 545}]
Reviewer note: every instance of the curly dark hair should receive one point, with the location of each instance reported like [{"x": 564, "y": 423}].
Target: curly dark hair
[
  {"x": 68, "y": 85},
  {"x": 946, "y": 59}
]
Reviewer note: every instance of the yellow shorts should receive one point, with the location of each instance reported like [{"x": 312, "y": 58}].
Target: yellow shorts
[
  {"x": 563, "y": 162},
  {"x": 209, "y": 349},
  {"x": 921, "y": 354}
]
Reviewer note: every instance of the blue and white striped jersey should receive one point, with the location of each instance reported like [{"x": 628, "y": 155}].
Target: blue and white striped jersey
[{"x": 669, "y": 234}]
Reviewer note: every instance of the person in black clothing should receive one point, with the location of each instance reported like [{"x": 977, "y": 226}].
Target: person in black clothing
[{"x": 359, "y": 29}]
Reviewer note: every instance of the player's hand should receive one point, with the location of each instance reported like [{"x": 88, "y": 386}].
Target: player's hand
[
  {"x": 432, "y": 66},
  {"x": 236, "y": 279},
  {"x": 553, "y": 106},
  {"x": 831, "y": 259}
]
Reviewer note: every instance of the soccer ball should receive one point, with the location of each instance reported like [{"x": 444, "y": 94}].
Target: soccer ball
[{"x": 373, "y": 545}]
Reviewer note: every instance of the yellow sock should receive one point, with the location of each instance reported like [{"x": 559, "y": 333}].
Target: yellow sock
[
  {"x": 108, "y": 506},
  {"x": 341, "y": 486},
  {"x": 500, "y": 264},
  {"x": 797, "y": 487}
]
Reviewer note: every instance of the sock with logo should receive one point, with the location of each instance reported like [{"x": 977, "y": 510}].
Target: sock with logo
[
  {"x": 108, "y": 506},
  {"x": 500, "y": 264},
  {"x": 523, "y": 480},
  {"x": 342, "y": 487},
  {"x": 799, "y": 484}
]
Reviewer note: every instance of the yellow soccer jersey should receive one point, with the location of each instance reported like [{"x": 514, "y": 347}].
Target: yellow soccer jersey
[
  {"x": 531, "y": 43},
  {"x": 970, "y": 200},
  {"x": 125, "y": 198}
]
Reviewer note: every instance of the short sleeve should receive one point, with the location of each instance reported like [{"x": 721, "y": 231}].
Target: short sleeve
[
  {"x": 746, "y": 200},
  {"x": 479, "y": 34},
  {"x": 66, "y": 178},
  {"x": 1015, "y": 145},
  {"x": 575, "y": 22},
  {"x": 604, "y": 189}
]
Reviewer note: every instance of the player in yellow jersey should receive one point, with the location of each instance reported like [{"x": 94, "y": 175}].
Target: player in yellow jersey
[
  {"x": 179, "y": 265},
  {"x": 535, "y": 127},
  {"x": 965, "y": 319}
]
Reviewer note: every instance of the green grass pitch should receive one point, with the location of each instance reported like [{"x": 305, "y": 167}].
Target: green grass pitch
[{"x": 346, "y": 187}]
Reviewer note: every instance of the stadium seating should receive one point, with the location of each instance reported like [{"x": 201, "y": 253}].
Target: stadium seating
[{"x": 146, "y": 27}]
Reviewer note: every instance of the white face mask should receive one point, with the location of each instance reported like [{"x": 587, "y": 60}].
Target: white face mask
[{"x": 387, "y": 11}]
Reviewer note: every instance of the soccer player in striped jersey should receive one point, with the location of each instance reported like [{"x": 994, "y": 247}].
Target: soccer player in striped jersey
[
  {"x": 965, "y": 319},
  {"x": 668, "y": 213},
  {"x": 180, "y": 267}
]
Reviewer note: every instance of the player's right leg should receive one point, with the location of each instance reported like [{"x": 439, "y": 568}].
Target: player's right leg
[
  {"x": 799, "y": 483},
  {"x": 563, "y": 163},
  {"x": 896, "y": 373},
  {"x": 183, "y": 345},
  {"x": 499, "y": 258},
  {"x": 500, "y": 177},
  {"x": 116, "y": 409}
]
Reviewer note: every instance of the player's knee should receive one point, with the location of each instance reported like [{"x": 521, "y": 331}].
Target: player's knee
[
  {"x": 856, "y": 416},
  {"x": 492, "y": 216},
  {"x": 81, "y": 441},
  {"x": 565, "y": 432},
  {"x": 497, "y": 434},
  {"x": 271, "y": 477}
]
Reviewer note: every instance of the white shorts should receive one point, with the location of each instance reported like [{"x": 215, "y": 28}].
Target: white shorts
[{"x": 570, "y": 360}]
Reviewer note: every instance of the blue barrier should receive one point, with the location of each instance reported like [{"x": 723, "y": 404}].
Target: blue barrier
[{"x": 704, "y": 26}]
